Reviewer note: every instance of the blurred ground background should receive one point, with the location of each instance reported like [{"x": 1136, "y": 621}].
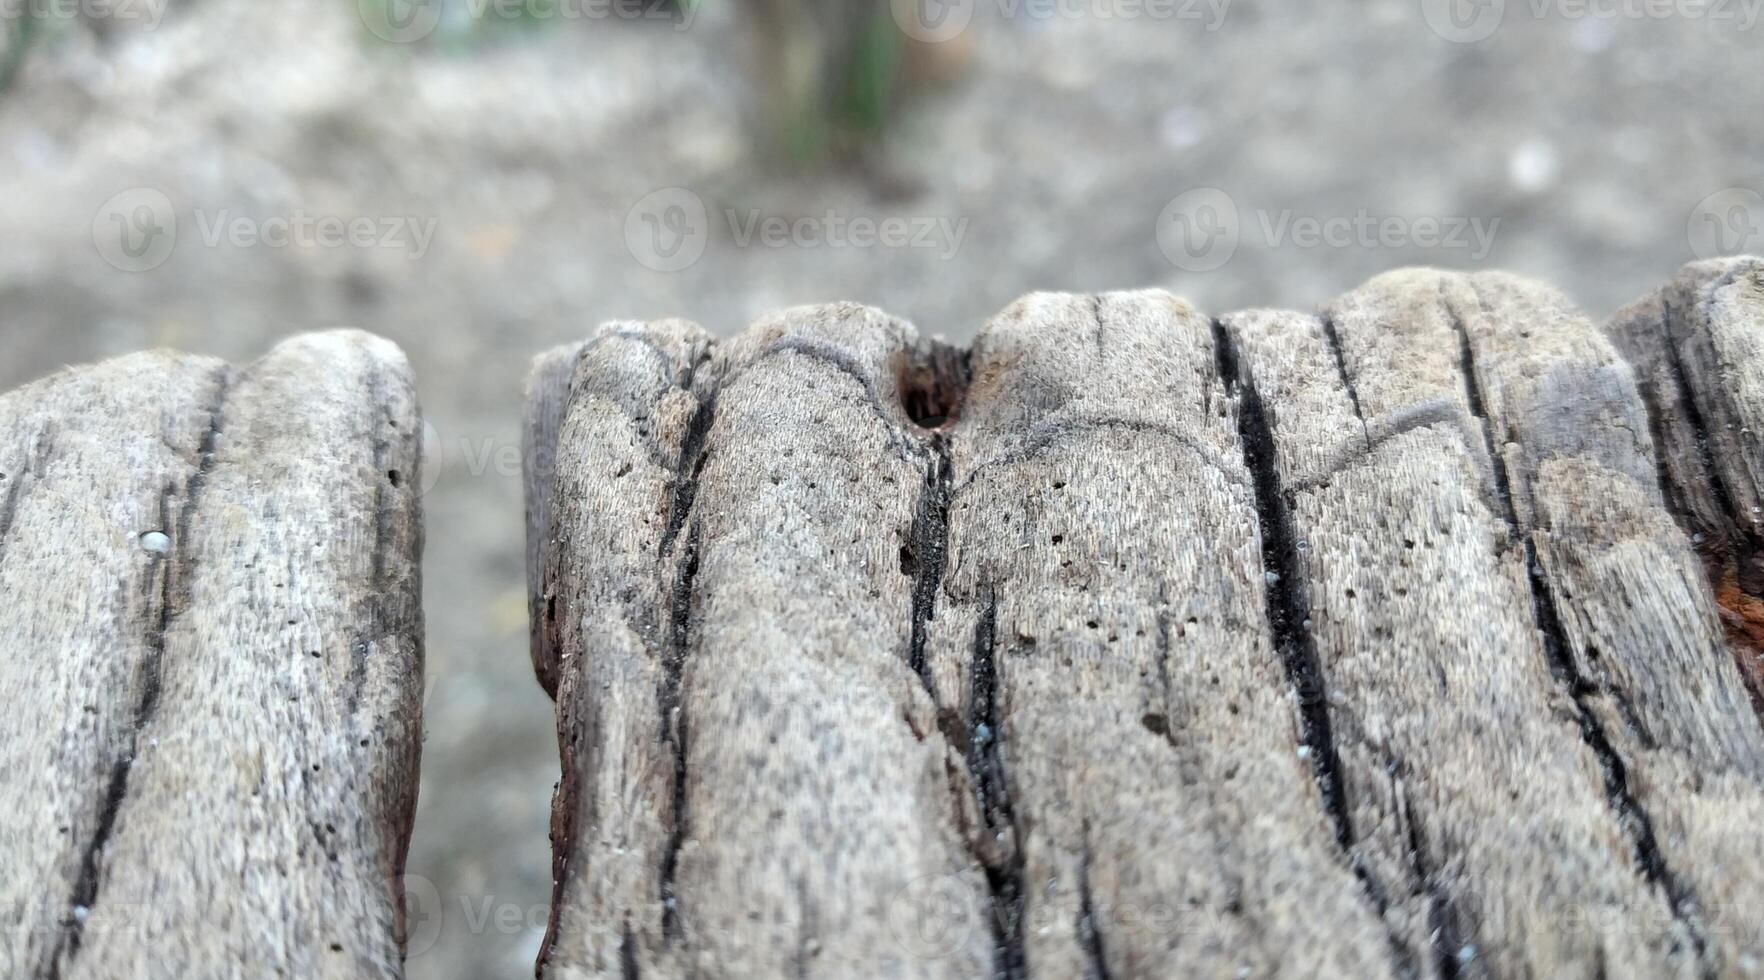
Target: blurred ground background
[{"x": 1055, "y": 143}]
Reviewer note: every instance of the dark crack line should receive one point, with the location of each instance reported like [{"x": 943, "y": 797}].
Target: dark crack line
[
  {"x": 1288, "y": 605},
  {"x": 1632, "y": 816},
  {"x": 9, "y": 506},
  {"x": 1647, "y": 389},
  {"x": 1090, "y": 938},
  {"x": 693, "y": 454},
  {"x": 539, "y": 453},
  {"x": 1288, "y": 611},
  {"x": 173, "y": 572},
  {"x": 1004, "y": 878},
  {"x": 1334, "y": 338},
  {"x": 1740, "y": 534},
  {"x": 185, "y": 562},
  {"x": 674, "y": 729},
  {"x": 1669, "y": 492},
  {"x": 930, "y": 554},
  {"x": 1162, "y": 660},
  {"x": 1496, "y": 462},
  {"x": 1442, "y": 926},
  {"x": 628, "y": 956},
  {"x": 688, "y": 467}
]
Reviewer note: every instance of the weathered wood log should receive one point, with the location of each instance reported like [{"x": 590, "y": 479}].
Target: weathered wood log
[
  {"x": 1698, "y": 350},
  {"x": 1491, "y": 578},
  {"x": 209, "y": 603},
  {"x": 1133, "y": 644},
  {"x": 1101, "y": 649}
]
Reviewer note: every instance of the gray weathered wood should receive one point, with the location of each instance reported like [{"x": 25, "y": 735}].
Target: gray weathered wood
[
  {"x": 1697, "y": 346},
  {"x": 1102, "y": 643},
  {"x": 1545, "y": 609},
  {"x": 1131, "y": 644},
  {"x": 214, "y": 668},
  {"x": 1430, "y": 677},
  {"x": 547, "y": 397},
  {"x": 754, "y": 778},
  {"x": 1624, "y": 608}
]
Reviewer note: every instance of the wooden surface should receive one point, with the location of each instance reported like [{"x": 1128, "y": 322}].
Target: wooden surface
[
  {"x": 214, "y": 664},
  {"x": 1398, "y": 640},
  {"x": 1698, "y": 353}
]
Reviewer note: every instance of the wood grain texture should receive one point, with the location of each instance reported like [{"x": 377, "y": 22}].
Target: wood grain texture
[
  {"x": 1134, "y": 644},
  {"x": 92, "y": 459},
  {"x": 1697, "y": 347},
  {"x": 1460, "y": 763},
  {"x": 1104, "y": 640},
  {"x": 1624, "y": 606},
  {"x": 212, "y": 615},
  {"x": 754, "y": 779},
  {"x": 547, "y": 397},
  {"x": 1526, "y": 421}
]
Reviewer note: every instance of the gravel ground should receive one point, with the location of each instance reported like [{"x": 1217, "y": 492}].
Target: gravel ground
[{"x": 509, "y": 178}]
